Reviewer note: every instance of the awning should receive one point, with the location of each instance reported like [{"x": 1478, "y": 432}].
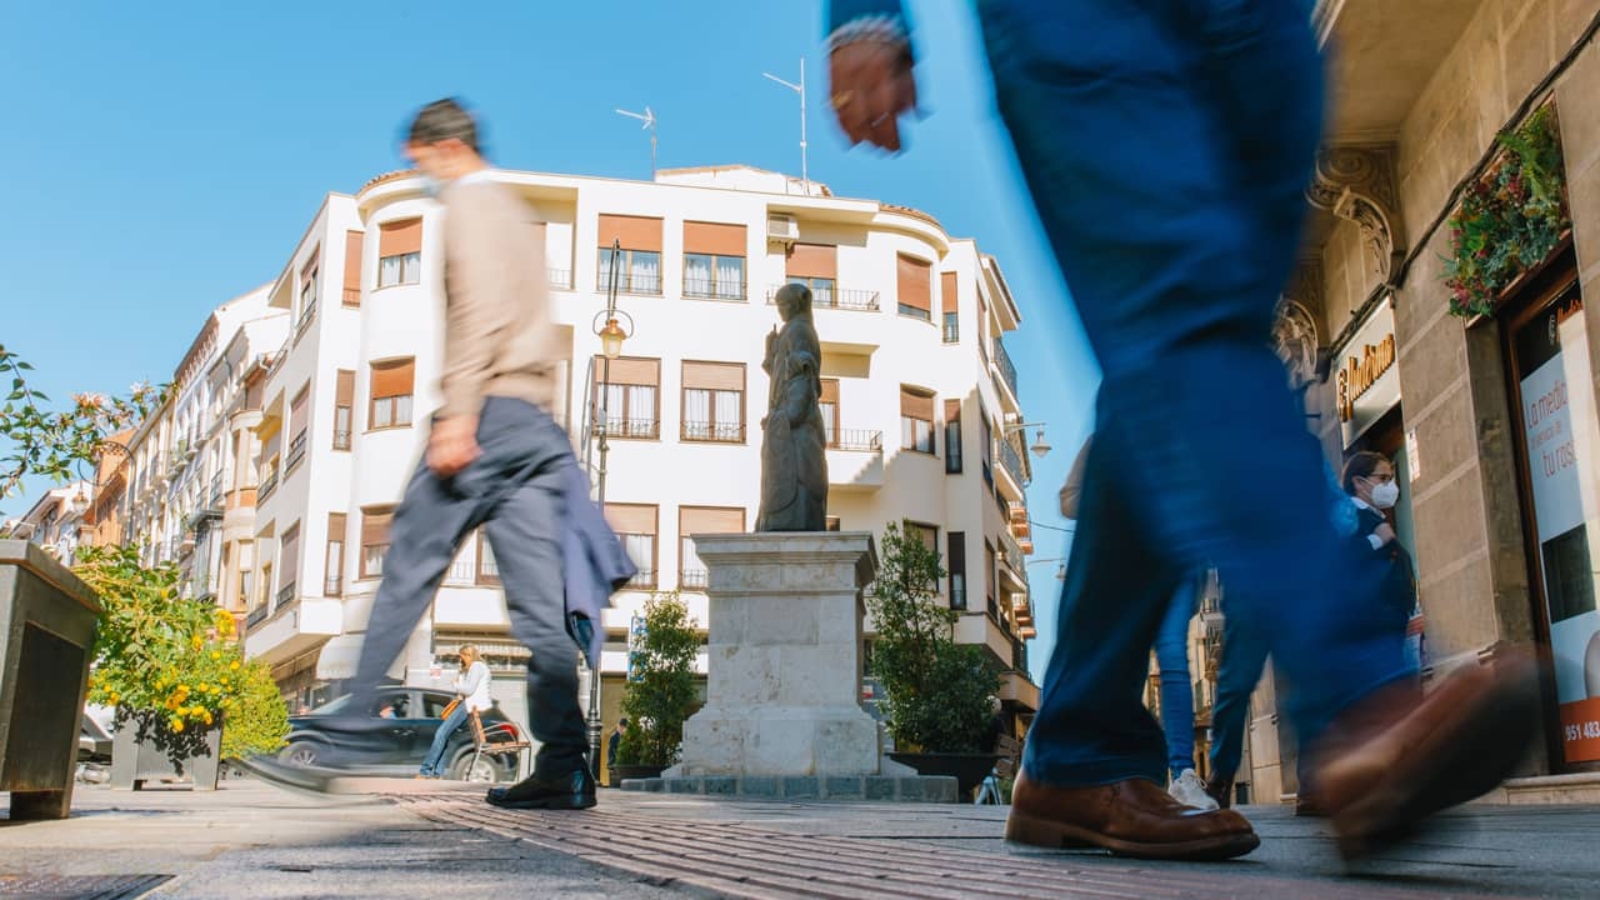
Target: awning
[{"x": 339, "y": 657}]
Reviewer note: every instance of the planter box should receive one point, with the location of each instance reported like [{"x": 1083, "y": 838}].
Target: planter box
[
  {"x": 47, "y": 627},
  {"x": 968, "y": 769},
  {"x": 620, "y": 774},
  {"x": 133, "y": 763}
]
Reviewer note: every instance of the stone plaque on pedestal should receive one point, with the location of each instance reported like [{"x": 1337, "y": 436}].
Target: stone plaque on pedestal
[{"x": 783, "y": 712}]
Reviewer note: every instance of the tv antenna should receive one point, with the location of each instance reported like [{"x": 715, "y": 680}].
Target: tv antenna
[
  {"x": 805, "y": 179},
  {"x": 648, "y": 117}
]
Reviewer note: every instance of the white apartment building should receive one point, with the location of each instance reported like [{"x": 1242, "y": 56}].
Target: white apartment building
[
  {"x": 921, "y": 397},
  {"x": 179, "y": 457},
  {"x": 55, "y": 522}
]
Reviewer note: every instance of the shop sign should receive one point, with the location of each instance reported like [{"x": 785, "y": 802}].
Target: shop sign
[{"x": 1367, "y": 384}]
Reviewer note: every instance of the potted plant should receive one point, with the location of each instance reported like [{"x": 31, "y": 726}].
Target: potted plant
[
  {"x": 173, "y": 671},
  {"x": 660, "y": 693},
  {"x": 938, "y": 693}
]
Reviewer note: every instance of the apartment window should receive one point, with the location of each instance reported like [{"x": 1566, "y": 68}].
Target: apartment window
[
  {"x": 713, "y": 402},
  {"x": 635, "y": 525},
  {"x": 713, "y": 261},
  {"x": 956, "y": 562},
  {"x": 817, "y": 267},
  {"x": 488, "y": 569},
  {"x": 986, "y": 444},
  {"x": 265, "y": 584},
  {"x": 344, "y": 399},
  {"x": 297, "y": 427},
  {"x": 915, "y": 288},
  {"x": 830, "y": 523},
  {"x": 632, "y": 397},
  {"x": 916, "y": 420},
  {"x": 400, "y": 253},
  {"x": 950, "y": 307},
  {"x": 391, "y": 394},
  {"x": 829, "y": 404},
  {"x": 354, "y": 244},
  {"x": 308, "y": 289},
  {"x": 289, "y": 563},
  {"x": 374, "y": 541},
  {"x": 333, "y": 561},
  {"x": 693, "y": 520},
  {"x": 639, "y": 265},
  {"x": 952, "y": 437},
  {"x": 990, "y": 594}
]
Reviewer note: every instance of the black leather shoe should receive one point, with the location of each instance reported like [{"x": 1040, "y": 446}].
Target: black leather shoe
[{"x": 575, "y": 790}]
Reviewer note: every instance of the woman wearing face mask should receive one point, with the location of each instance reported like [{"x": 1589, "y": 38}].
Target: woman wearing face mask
[{"x": 1370, "y": 482}]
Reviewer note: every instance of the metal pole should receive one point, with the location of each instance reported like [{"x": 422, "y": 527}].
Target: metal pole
[
  {"x": 602, "y": 420},
  {"x": 805, "y": 178}
]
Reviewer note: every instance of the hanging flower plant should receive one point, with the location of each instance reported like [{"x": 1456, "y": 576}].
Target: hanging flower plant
[{"x": 1511, "y": 219}]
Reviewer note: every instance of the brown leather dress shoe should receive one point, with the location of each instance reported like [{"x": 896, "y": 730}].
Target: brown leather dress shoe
[
  {"x": 1394, "y": 760},
  {"x": 1130, "y": 818}
]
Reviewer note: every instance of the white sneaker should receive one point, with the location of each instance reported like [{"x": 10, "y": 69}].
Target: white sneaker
[{"x": 1189, "y": 790}]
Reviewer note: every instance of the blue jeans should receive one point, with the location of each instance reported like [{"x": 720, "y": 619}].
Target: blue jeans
[
  {"x": 1167, "y": 145},
  {"x": 433, "y": 763},
  {"x": 1172, "y": 660},
  {"x": 1244, "y": 658}
]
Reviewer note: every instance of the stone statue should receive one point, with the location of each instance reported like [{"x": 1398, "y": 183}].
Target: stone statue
[{"x": 794, "y": 463}]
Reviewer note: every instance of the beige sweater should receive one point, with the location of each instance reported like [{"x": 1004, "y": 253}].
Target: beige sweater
[{"x": 498, "y": 338}]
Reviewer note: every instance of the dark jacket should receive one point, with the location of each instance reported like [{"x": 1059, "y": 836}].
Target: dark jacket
[
  {"x": 1390, "y": 575},
  {"x": 595, "y": 562}
]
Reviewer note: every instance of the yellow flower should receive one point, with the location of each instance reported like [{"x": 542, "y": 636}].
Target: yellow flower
[
  {"x": 114, "y": 698},
  {"x": 234, "y": 665},
  {"x": 198, "y": 642},
  {"x": 207, "y": 717},
  {"x": 177, "y": 725},
  {"x": 204, "y": 687},
  {"x": 216, "y": 654}
]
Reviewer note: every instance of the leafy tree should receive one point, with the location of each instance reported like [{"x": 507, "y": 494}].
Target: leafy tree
[
  {"x": 661, "y": 685},
  {"x": 938, "y": 691}
]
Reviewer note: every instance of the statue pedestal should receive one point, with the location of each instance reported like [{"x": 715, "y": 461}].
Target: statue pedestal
[{"x": 783, "y": 714}]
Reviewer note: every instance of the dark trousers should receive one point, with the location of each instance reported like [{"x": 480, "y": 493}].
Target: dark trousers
[
  {"x": 1167, "y": 145},
  {"x": 514, "y": 491}
]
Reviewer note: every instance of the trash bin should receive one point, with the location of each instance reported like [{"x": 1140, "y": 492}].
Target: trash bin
[{"x": 47, "y": 627}]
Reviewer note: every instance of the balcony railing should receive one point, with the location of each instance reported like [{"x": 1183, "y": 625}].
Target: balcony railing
[
  {"x": 488, "y": 571},
  {"x": 561, "y": 278},
  {"x": 1008, "y": 371},
  {"x": 619, "y": 427},
  {"x": 693, "y": 580},
  {"x": 630, "y": 282},
  {"x": 732, "y": 433},
  {"x": 214, "y": 495},
  {"x": 644, "y": 579},
  {"x": 297, "y": 451},
  {"x": 268, "y": 485},
  {"x": 285, "y": 594},
  {"x": 1011, "y": 460},
  {"x": 333, "y": 586},
  {"x": 461, "y": 572},
  {"x": 341, "y": 439},
  {"x": 256, "y": 616},
  {"x": 700, "y": 287},
  {"x": 306, "y": 316},
  {"x": 858, "y": 300},
  {"x": 857, "y": 440},
  {"x": 952, "y": 328}
]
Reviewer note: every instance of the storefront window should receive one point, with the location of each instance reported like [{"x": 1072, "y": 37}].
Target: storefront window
[{"x": 1561, "y": 455}]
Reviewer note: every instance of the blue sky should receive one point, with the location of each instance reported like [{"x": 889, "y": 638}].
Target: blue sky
[{"x": 163, "y": 158}]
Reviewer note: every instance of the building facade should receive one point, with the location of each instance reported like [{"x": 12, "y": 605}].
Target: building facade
[
  {"x": 920, "y": 398},
  {"x": 1490, "y": 417}
]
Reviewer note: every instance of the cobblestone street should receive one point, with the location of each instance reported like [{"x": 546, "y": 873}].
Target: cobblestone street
[{"x": 252, "y": 841}]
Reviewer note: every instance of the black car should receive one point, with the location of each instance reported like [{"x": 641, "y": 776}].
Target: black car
[{"x": 413, "y": 715}]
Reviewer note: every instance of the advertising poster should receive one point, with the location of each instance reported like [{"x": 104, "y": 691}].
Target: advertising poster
[{"x": 1560, "y": 435}]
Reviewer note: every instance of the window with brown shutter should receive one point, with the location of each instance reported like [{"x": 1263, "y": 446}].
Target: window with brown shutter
[
  {"x": 927, "y": 534},
  {"x": 392, "y": 385},
  {"x": 713, "y": 261},
  {"x": 693, "y": 520},
  {"x": 400, "y": 252},
  {"x": 817, "y": 267},
  {"x": 288, "y": 564},
  {"x": 639, "y": 265},
  {"x": 344, "y": 400},
  {"x": 308, "y": 288},
  {"x": 374, "y": 541},
  {"x": 635, "y": 525},
  {"x": 354, "y": 244},
  {"x": 333, "y": 561},
  {"x": 952, "y": 437},
  {"x": 297, "y": 427},
  {"x": 916, "y": 420},
  {"x": 713, "y": 402},
  {"x": 488, "y": 569},
  {"x": 950, "y": 307},
  {"x": 628, "y": 396},
  {"x": 914, "y": 283},
  {"x": 828, "y": 402}
]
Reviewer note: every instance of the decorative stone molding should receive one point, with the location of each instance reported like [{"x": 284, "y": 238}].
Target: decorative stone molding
[
  {"x": 1294, "y": 338},
  {"x": 1358, "y": 184}
]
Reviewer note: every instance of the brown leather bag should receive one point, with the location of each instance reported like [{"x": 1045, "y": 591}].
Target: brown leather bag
[{"x": 449, "y": 708}]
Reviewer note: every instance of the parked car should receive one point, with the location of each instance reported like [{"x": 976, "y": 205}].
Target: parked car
[
  {"x": 413, "y": 716},
  {"x": 94, "y": 741}
]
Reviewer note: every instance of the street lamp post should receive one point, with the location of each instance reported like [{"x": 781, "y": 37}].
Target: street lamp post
[{"x": 611, "y": 335}]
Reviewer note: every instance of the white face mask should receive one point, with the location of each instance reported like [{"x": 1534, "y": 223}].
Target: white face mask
[{"x": 1386, "y": 495}]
